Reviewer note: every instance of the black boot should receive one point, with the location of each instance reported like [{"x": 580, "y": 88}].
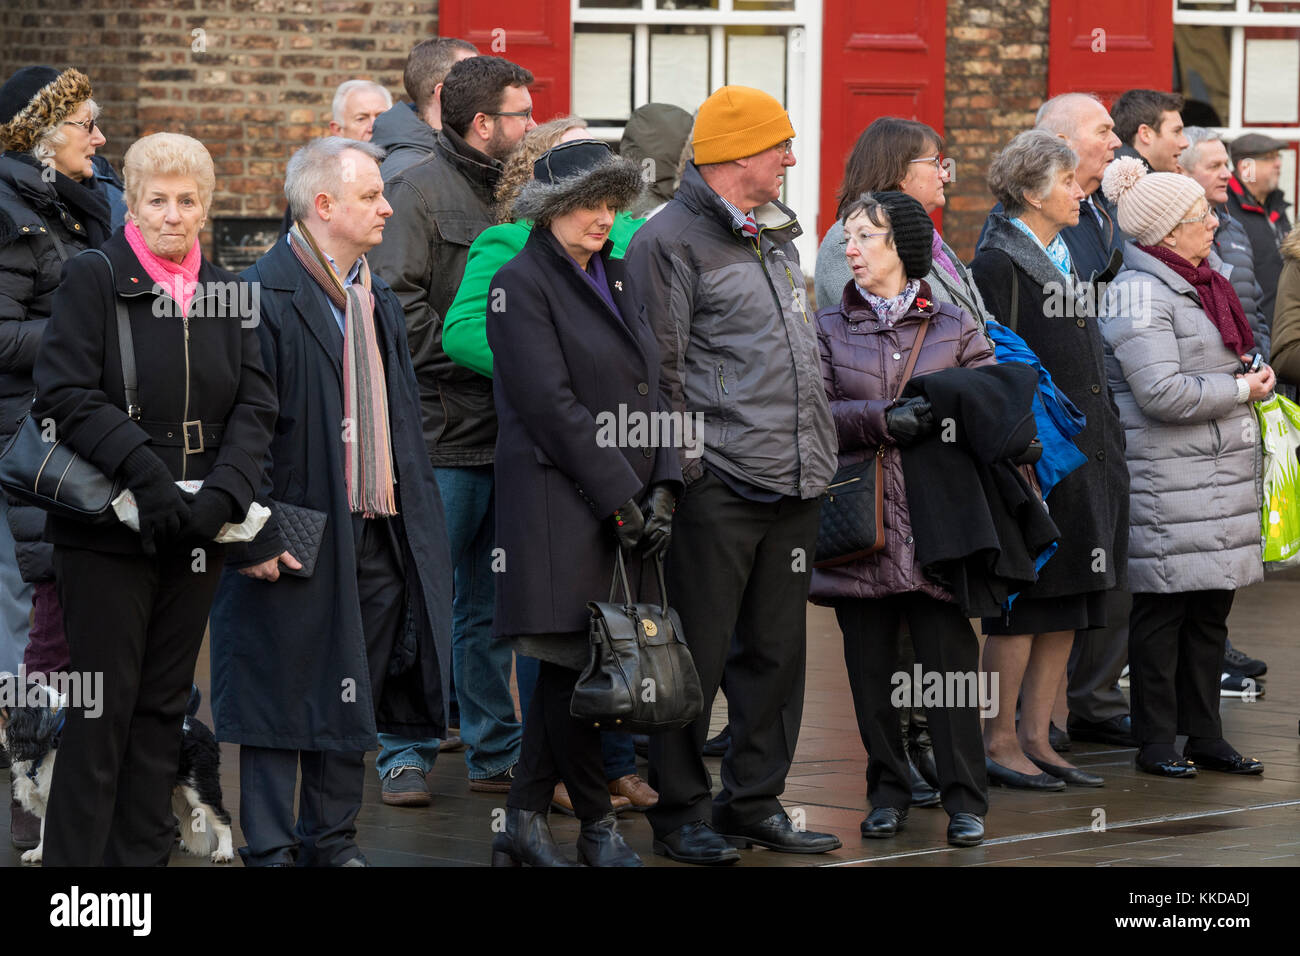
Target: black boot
[
  {"x": 526, "y": 841},
  {"x": 599, "y": 844}
]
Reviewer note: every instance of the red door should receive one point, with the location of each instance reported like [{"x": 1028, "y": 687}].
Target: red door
[
  {"x": 1109, "y": 46},
  {"x": 537, "y": 36},
  {"x": 878, "y": 59}
]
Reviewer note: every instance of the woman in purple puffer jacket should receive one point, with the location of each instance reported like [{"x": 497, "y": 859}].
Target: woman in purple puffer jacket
[{"x": 866, "y": 341}]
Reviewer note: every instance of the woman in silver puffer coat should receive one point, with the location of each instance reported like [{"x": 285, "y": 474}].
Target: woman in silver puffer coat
[{"x": 1175, "y": 336}]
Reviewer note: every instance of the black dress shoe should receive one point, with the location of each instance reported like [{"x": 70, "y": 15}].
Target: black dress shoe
[
  {"x": 923, "y": 795},
  {"x": 1058, "y": 739},
  {"x": 1073, "y": 775},
  {"x": 1167, "y": 768},
  {"x": 778, "y": 833},
  {"x": 697, "y": 843},
  {"x": 1006, "y": 777},
  {"x": 599, "y": 844},
  {"x": 965, "y": 829},
  {"x": 883, "y": 822},
  {"x": 1234, "y": 764},
  {"x": 526, "y": 840},
  {"x": 1116, "y": 730},
  {"x": 717, "y": 746}
]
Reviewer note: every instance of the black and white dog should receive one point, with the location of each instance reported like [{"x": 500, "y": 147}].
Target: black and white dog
[{"x": 31, "y": 722}]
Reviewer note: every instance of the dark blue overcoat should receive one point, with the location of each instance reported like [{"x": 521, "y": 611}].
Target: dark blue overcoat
[{"x": 288, "y": 657}]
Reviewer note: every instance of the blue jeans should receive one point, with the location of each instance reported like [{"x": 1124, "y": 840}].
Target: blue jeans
[
  {"x": 480, "y": 665},
  {"x": 617, "y": 751},
  {"x": 397, "y": 751},
  {"x": 15, "y": 599}
]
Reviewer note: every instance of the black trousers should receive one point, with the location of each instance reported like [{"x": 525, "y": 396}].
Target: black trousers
[
  {"x": 738, "y": 567},
  {"x": 1097, "y": 658},
  {"x": 332, "y": 781},
  {"x": 137, "y": 621},
  {"x": 944, "y": 643},
  {"x": 557, "y": 747},
  {"x": 1175, "y": 657}
]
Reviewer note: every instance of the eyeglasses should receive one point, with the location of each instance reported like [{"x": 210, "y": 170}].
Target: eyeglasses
[
  {"x": 1201, "y": 218},
  {"x": 522, "y": 114},
  {"x": 786, "y": 147},
  {"x": 864, "y": 236},
  {"x": 89, "y": 126},
  {"x": 935, "y": 161}
]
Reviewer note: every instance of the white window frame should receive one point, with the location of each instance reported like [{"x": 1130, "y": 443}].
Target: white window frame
[{"x": 803, "y": 82}]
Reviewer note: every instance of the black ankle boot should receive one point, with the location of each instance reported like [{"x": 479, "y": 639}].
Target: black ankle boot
[
  {"x": 526, "y": 841},
  {"x": 599, "y": 844}
]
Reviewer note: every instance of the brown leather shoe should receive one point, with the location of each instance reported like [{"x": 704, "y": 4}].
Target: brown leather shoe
[
  {"x": 561, "y": 803},
  {"x": 636, "y": 790}
]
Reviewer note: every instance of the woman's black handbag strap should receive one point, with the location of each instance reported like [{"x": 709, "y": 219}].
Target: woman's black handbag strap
[
  {"x": 628, "y": 599},
  {"x": 125, "y": 344}
]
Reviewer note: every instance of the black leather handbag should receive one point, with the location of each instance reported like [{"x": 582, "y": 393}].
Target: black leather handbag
[
  {"x": 641, "y": 678},
  {"x": 40, "y": 469},
  {"x": 302, "y": 530},
  {"x": 851, "y": 525}
]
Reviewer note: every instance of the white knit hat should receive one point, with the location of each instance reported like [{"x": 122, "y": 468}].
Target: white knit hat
[{"x": 1148, "y": 205}]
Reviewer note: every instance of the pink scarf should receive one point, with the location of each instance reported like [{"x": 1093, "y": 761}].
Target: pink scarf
[{"x": 179, "y": 280}]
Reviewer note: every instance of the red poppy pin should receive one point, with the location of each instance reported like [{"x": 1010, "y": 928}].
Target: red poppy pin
[
  {"x": 922, "y": 303},
  {"x": 134, "y": 279}
]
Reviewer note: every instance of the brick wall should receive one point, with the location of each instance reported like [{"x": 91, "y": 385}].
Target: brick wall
[
  {"x": 997, "y": 78},
  {"x": 253, "y": 83}
]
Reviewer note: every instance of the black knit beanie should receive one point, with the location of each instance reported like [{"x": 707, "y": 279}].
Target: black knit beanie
[{"x": 913, "y": 232}]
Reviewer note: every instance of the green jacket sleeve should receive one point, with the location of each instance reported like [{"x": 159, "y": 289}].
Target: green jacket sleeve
[{"x": 464, "y": 332}]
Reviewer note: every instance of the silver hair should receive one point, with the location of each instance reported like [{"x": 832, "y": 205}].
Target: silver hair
[
  {"x": 1197, "y": 136},
  {"x": 1029, "y": 164},
  {"x": 347, "y": 88},
  {"x": 53, "y": 137},
  {"x": 317, "y": 168},
  {"x": 1060, "y": 115}
]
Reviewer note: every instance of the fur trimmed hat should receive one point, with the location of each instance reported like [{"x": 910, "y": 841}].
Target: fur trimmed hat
[
  {"x": 913, "y": 231},
  {"x": 36, "y": 98},
  {"x": 578, "y": 175}
]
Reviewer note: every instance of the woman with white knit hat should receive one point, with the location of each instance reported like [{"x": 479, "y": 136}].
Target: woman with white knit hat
[{"x": 1176, "y": 340}]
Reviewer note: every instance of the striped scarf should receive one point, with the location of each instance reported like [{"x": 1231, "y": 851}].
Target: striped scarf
[{"x": 368, "y": 454}]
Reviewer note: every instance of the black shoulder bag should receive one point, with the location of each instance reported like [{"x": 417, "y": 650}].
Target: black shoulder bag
[
  {"x": 641, "y": 678},
  {"x": 49, "y": 474}
]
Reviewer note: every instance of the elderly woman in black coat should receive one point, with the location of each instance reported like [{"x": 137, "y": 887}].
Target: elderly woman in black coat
[
  {"x": 1024, "y": 273},
  {"x": 571, "y": 347},
  {"x": 136, "y": 603}
]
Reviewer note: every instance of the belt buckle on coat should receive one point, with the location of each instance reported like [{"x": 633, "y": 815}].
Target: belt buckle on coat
[{"x": 198, "y": 430}]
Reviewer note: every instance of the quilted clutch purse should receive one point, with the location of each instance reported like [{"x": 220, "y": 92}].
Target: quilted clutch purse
[
  {"x": 852, "y": 518},
  {"x": 302, "y": 530}
]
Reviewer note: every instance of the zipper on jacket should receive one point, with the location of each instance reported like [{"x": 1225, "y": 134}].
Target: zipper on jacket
[
  {"x": 185, "y": 458},
  {"x": 721, "y": 381},
  {"x": 795, "y": 292}
]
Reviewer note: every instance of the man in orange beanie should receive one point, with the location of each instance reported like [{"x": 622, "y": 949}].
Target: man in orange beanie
[{"x": 720, "y": 277}]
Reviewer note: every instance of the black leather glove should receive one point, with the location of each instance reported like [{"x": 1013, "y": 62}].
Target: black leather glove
[
  {"x": 659, "y": 519},
  {"x": 629, "y": 524},
  {"x": 162, "y": 508},
  {"x": 910, "y": 420},
  {"x": 209, "y": 510}
]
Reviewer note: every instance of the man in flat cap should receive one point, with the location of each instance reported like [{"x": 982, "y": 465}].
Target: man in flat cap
[{"x": 1256, "y": 202}]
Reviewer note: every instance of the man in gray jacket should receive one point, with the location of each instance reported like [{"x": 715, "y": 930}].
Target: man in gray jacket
[{"x": 719, "y": 274}]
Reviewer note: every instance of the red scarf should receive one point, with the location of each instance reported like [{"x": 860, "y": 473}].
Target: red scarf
[{"x": 1218, "y": 298}]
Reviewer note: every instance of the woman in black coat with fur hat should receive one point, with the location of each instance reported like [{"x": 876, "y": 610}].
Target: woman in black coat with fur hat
[{"x": 571, "y": 348}]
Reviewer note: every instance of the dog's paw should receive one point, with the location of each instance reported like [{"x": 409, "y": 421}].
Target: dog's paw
[
  {"x": 34, "y": 856},
  {"x": 220, "y": 856}
]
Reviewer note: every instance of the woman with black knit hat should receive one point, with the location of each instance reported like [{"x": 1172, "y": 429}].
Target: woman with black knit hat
[
  {"x": 1024, "y": 272},
  {"x": 570, "y": 346},
  {"x": 885, "y": 314},
  {"x": 51, "y": 208}
]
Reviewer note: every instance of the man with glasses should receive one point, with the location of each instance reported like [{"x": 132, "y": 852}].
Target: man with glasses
[
  {"x": 1256, "y": 202},
  {"x": 440, "y": 205}
]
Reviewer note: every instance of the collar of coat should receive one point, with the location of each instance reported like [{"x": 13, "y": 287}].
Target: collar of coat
[
  {"x": 615, "y": 275},
  {"x": 1139, "y": 261},
  {"x": 1025, "y": 253},
  {"x": 132, "y": 280},
  {"x": 856, "y": 310},
  {"x": 775, "y": 219},
  {"x": 27, "y": 195},
  {"x": 481, "y": 170},
  {"x": 1274, "y": 203}
]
